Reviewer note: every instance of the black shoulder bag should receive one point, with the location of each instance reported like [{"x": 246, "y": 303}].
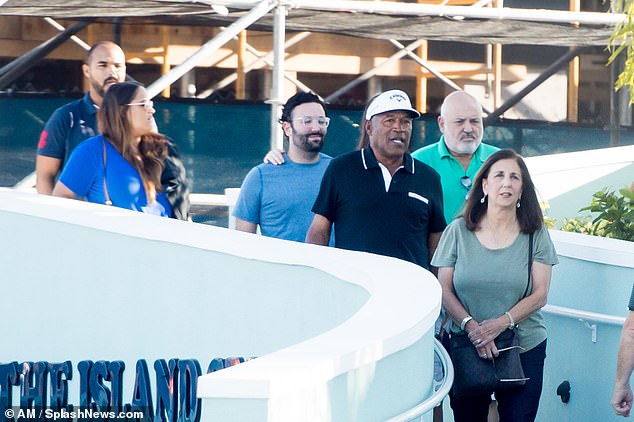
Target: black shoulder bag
[{"x": 475, "y": 376}]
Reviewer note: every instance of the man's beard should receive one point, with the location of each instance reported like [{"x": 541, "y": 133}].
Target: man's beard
[
  {"x": 467, "y": 147},
  {"x": 305, "y": 144},
  {"x": 101, "y": 88}
]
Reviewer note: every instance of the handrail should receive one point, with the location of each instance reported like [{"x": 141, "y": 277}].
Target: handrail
[
  {"x": 438, "y": 396},
  {"x": 584, "y": 315}
]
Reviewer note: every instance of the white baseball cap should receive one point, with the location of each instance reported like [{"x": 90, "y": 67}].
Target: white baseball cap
[{"x": 391, "y": 100}]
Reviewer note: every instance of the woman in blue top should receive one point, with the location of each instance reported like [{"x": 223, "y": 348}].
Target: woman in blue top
[{"x": 123, "y": 165}]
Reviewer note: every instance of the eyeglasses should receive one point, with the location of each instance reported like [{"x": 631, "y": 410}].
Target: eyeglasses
[
  {"x": 466, "y": 182},
  {"x": 309, "y": 120},
  {"x": 147, "y": 104}
]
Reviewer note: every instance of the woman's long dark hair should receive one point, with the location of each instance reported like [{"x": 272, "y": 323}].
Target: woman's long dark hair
[
  {"x": 364, "y": 139},
  {"x": 529, "y": 214},
  {"x": 149, "y": 155}
]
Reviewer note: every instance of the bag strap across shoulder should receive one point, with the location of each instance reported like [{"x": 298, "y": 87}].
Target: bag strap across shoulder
[
  {"x": 105, "y": 187},
  {"x": 530, "y": 264}
]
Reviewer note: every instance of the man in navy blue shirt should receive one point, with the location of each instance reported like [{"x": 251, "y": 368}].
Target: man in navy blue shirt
[
  {"x": 76, "y": 121},
  {"x": 380, "y": 199}
]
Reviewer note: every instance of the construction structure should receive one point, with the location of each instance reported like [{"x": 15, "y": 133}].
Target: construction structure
[{"x": 545, "y": 63}]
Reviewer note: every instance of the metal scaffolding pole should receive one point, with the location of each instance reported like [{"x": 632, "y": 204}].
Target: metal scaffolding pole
[
  {"x": 261, "y": 9},
  {"x": 262, "y": 58},
  {"x": 432, "y": 70},
  {"x": 73, "y": 38},
  {"x": 367, "y": 75},
  {"x": 551, "y": 70},
  {"x": 12, "y": 71},
  {"x": 279, "y": 31}
]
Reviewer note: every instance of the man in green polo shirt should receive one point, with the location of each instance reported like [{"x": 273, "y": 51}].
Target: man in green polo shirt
[{"x": 459, "y": 153}]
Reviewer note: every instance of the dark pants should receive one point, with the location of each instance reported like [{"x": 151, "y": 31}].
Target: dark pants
[{"x": 514, "y": 405}]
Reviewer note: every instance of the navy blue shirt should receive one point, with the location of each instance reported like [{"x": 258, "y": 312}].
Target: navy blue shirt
[
  {"x": 395, "y": 223},
  {"x": 67, "y": 127}
]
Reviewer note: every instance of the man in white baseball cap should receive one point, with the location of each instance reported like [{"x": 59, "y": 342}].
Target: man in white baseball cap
[
  {"x": 380, "y": 199},
  {"x": 392, "y": 100}
]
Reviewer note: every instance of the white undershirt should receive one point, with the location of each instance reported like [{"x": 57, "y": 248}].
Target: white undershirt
[{"x": 387, "y": 177}]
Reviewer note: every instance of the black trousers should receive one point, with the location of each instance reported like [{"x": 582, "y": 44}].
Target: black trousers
[{"x": 514, "y": 405}]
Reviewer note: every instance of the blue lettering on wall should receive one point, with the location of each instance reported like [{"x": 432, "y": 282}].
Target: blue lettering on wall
[
  {"x": 166, "y": 390},
  {"x": 115, "y": 375},
  {"x": 142, "y": 394},
  {"x": 101, "y": 386},
  {"x": 60, "y": 374},
  {"x": 84, "y": 392},
  {"x": 8, "y": 378},
  {"x": 33, "y": 382},
  {"x": 189, "y": 407},
  {"x": 100, "y": 393}
]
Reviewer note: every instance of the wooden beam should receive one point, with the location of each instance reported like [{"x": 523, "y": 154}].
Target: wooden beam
[
  {"x": 165, "y": 66},
  {"x": 421, "y": 80},
  {"x": 241, "y": 86},
  {"x": 573, "y": 77},
  {"x": 497, "y": 75}
]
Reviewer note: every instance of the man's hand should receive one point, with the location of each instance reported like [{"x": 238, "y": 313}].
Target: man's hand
[
  {"x": 622, "y": 400},
  {"x": 274, "y": 157}
]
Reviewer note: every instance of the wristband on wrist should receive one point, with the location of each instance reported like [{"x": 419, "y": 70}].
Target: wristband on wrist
[
  {"x": 464, "y": 321},
  {"x": 511, "y": 320}
]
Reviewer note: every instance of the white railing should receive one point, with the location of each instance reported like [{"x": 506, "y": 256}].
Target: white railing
[
  {"x": 441, "y": 392},
  {"x": 583, "y": 315}
]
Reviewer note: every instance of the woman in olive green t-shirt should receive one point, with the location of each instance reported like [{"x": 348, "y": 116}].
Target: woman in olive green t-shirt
[{"x": 482, "y": 261}]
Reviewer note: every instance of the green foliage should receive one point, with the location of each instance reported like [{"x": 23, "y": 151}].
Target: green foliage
[
  {"x": 583, "y": 225},
  {"x": 622, "y": 40},
  {"x": 614, "y": 215}
]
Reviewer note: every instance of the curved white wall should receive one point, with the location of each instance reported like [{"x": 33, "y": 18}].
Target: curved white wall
[
  {"x": 567, "y": 181},
  {"x": 339, "y": 335}
]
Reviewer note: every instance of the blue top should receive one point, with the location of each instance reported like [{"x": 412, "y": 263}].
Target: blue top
[
  {"x": 279, "y": 198},
  {"x": 67, "y": 127},
  {"x": 84, "y": 175},
  {"x": 454, "y": 192},
  {"x": 395, "y": 223}
]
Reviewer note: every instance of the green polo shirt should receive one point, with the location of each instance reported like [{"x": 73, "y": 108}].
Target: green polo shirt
[{"x": 451, "y": 171}]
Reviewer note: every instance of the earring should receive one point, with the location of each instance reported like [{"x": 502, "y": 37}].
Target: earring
[
  {"x": 518, "y": 203},
  {"x": 483, "y": 199}
]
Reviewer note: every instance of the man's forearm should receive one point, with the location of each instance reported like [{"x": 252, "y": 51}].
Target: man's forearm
[
  {"x": 44, "y": 184},
  {"x": 625, "y": 362}
]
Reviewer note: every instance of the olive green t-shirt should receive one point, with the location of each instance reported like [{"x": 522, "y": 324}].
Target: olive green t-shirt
[{"x": 489, "y": 282}]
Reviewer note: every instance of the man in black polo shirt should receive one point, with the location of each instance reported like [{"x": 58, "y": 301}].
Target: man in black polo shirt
[{"x": 380, "y": 199}]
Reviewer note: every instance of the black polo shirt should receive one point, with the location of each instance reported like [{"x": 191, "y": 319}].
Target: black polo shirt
[{"x": 395, "y": 223}]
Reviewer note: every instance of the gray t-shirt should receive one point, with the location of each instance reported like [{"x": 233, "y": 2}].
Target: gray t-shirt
[{"x": 489, "y": 282}]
